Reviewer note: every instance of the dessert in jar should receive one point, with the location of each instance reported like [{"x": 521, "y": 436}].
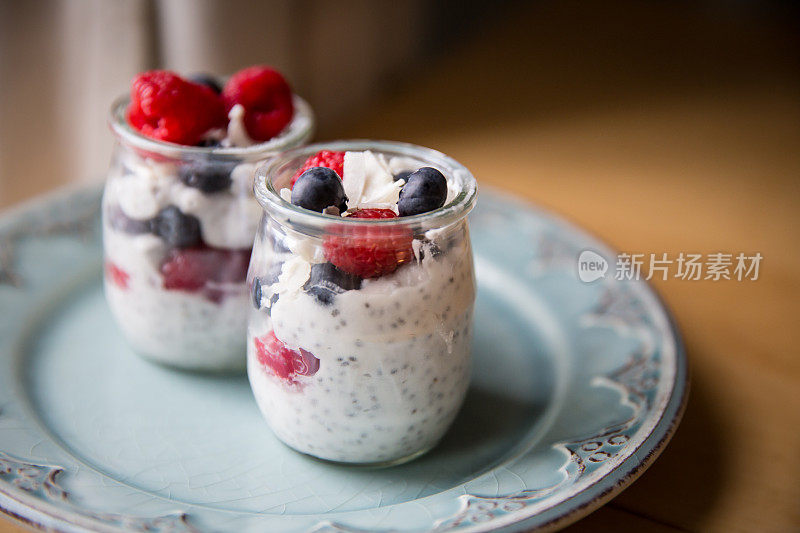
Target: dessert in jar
[
  {"x": 179, "y": 216},
  {"x": 362, "y": 285}
]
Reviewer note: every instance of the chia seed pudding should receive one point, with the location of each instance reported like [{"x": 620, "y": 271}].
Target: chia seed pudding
[
  {"x": 360, "y": 327},
  {"x": 179, "y": 213}
]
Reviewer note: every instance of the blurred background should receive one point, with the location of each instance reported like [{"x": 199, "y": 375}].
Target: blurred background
[
  {"x": 660, "y": 126},
  {"x": 62, "y": 62},
  {"x": 489, "y": 66}
]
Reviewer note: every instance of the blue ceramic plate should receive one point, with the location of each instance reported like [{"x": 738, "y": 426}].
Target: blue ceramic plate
[{"x": 577, "y": 387}]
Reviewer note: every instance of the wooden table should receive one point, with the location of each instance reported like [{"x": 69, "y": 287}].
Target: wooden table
[{"x": 660, "y": 131}]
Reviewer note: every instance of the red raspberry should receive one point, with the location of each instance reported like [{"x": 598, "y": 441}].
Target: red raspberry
[
  {"x": 117, "y": 276},
  {"x": 266, "y": 98},
  {"x": 369, "y": 252},
  {"x": 372, "y": 213},
  {"x": 284, "y": 362},
  {"x": 204, "y": 268},
  {"x": 166, "y": 107},
  {"x": 325, "y": 158}
]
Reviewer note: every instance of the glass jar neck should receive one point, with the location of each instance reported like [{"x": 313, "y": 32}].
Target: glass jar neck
[
  {"x": 276, "y": 172},
  {"x": 297, "y": 133}
]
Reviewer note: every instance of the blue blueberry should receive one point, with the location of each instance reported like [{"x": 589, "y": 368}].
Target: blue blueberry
[
  {"x": 122, "y": 222},
  {"x": 425, "y": 190},
  {"x": 318, "y": 188},
  {"x": 208, "y": 80},
  {"x": 326, "y": 281},
  {"x": 177, "y": 229},
  {"x": 208, "y": 177},
  {"x": 402, "y": 175},
  {"x": 257, "y": 293}
]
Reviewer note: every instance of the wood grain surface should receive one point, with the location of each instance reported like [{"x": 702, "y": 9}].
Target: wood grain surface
[{"x": 660, "y": 130}]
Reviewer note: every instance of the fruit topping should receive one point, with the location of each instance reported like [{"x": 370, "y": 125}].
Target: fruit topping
[
  {"x": 425, "y": 190},
  {"x": 324, "y": 158},
  {"x": 177, "y": 229},
  {"x": 368, "y": 180},
  {"x": 116, "y": 275},
  {"x": 326, "y": 281},
  {"x": 372, "y": 213},
  {"x": 166, "y": 107},
  {"x": 318, "y": 188},
  {"x": 266, "y": 98},
  {"x": 204, "y": 268},
  {"x": 369, "y": 251},
  {"x": 208, "y": 177},
  {"x": 285, "y": 363}
]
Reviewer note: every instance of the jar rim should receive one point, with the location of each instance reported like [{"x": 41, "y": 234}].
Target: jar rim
[
  {"x": 460, "y": 205},
  {"x": 297, "y": 132}
]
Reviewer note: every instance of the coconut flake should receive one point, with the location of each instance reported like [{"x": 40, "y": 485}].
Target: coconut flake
[
  {"x": 242, "y": 178},
  {"x": 354, "y": 175},
  {"x": 368, "y": 180},
  {"x": 237, "y": 133},
  {"x": 294, "y": 274}
]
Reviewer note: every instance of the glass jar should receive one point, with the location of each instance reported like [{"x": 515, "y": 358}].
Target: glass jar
[
  {"x": 352, "y": 369},
  {"x": 178, "y": 227}
]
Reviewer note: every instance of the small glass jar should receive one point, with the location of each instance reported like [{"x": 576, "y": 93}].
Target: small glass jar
[
  {"x": 178, "y": 227},
  {"x": 361, "y": 370}
]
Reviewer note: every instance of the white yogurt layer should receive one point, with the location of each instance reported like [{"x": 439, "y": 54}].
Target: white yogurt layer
[
  {"x": 180, "y": 328},
  {"x": 237, "y": 134}
]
